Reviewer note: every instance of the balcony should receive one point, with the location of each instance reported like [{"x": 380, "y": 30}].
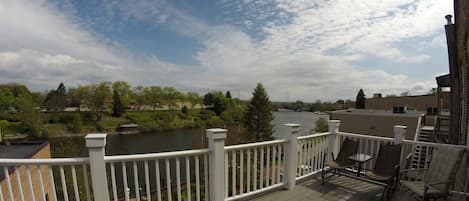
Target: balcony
[{"x": 282, "y": 169}]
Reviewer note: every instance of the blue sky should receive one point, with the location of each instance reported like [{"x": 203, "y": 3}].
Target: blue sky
[{"x": 318, "y": 49}]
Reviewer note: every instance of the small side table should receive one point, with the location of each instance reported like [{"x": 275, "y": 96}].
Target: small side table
[{"x": 360, "y": 158}]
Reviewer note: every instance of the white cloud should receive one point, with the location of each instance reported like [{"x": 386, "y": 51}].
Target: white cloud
[{"x": 305, "y": 48}]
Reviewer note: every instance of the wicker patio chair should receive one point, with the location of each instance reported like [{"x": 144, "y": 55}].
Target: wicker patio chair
[
  {"x": 386, "y": 169},
  {"x": 349, "y": 147},
  {"x": 438, "y": 179}
]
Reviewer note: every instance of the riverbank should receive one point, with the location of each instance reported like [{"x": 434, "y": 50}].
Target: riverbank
[{"x": 71, "y": 124}]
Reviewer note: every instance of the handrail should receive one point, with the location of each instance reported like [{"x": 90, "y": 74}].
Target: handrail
[
  {"x": 42, "y": 161},
  {"x": 434, "y": 144},
  {"x": 137, "y": 157},
  {"x": 365, "y": 136},
  {"x": 418, "y": 128},
  {"x": 313, "y": 135},
  {"x": 256, "y": 144}
]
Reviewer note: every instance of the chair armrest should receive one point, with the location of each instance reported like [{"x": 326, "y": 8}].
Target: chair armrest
[
  {"x": 428, "y": 185},
  {"x": 413, "y": 170}
]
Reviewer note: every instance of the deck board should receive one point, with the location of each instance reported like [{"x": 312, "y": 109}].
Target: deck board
[{"x": 339, "y": 188}]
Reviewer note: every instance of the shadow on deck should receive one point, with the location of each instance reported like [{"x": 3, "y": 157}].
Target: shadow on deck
[{"x": 339, "y": 188}]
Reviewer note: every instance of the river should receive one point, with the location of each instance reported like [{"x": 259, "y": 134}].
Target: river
[{"x": 179, "y": 139}]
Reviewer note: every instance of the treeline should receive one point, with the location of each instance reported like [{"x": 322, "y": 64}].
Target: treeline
[
  {"x": 317, "y": 106},
  {"x": 103, "y": 105}
]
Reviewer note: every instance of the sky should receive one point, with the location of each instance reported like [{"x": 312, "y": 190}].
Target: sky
[{"x": 299, "y": 50}]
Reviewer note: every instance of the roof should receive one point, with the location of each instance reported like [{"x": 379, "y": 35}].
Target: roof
[
  {"x": 370, "y": 112},
  {"x": 20, "y": 150}
]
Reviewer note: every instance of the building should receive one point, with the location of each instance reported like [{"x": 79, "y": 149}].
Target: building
[{"x": 29, "y": 150}]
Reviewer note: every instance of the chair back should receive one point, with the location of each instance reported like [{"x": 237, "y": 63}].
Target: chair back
[
  {"x": 444, "y": 164},
  {"x": 389, "y": 156},
  {"x": 349, "y": 147}
]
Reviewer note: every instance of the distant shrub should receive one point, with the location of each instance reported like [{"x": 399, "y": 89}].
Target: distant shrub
[
  {"x": 184, "y": 109},
  {"x": 321, "y": 125}
]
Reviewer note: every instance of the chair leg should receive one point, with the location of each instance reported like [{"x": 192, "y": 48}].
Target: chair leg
[{"x": 383, "y": 194}]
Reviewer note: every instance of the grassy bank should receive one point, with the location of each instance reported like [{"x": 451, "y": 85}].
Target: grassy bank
[{"x": 78, "y": 123}]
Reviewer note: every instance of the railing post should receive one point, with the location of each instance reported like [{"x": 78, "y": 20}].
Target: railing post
[
  {"x": 96, "y": 144},
  {"x": 333, "y": 146},
  {"x": 291, "y": 156},
  {"x": 399, "y": 133},
  {"x": 216, "y": 145}
]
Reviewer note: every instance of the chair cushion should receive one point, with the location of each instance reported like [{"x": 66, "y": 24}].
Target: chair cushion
[{"x": 418, "y": 187}]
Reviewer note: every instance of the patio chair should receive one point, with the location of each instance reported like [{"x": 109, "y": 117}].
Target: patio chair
[
  {"x": 349, "y": 147},
  {"x": 386, "y": 169},
  {"x": 438, "y": 178}
]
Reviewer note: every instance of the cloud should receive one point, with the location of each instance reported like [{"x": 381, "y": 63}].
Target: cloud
[{"x": 309, "y": 49}]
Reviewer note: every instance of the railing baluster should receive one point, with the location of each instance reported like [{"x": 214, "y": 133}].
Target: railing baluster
[
  {"x": 226, "y": 174},
  {"x": 274, "y": 162},
  {"x": 248, "y": 174},
  {"x": 1, "y": 194},
  {"x": 267, "y": 167},
  {"x": 136, "y": 186},
  {"x": 197, "y": 179},
  {"x": 310, "y": 155},
  {"x": 30, "y": 183},
  {"x": 178, "y": 179},
  {"x": 241, "y": 171},
  {"x": 87, "y": 184},
  {"x": 75, "y": 184},
  {"x": 233, "y": 173},
  {"x": 52, "y": 182},
  {"x": 279, "y": 162},
  {"x": 168, "y": 179},
  {"x": 158, "y": 182},
  {"x": 255, "y": 170},
  {"x": 7, "y": 176},
  {"x": 19, "y": 183},
  {"x": 113, "y": 182},
  {"x": 124, "y": 178},
  {"x": 300, "y": 156},
  {"x": 261, "y": 179},
  {"x": 206, "y": 177},
  {"x": 188, "y": 179},
  {"x": 41, "y": 183},
  {"x": 147, "y": 180}
]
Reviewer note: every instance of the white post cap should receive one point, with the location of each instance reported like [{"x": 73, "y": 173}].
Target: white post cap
[{"x": 95, "y": 140}]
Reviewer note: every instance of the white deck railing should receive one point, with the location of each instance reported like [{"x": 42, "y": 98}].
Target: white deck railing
[{"x": 217, "y": 173}]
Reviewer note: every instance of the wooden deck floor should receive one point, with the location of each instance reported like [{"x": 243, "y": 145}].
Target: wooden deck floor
[{"x": 339, "y": 188}]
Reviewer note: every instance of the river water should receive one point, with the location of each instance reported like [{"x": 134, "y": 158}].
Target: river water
[
  {"x": 179, "y": 139},
  {"x": 175, "y": 140}
]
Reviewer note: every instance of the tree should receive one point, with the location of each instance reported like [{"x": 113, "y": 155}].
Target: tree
[
  {"x": 259, "y": 114},
  {"x": 194, "y": 99},
  {"x": 228, "y": 95},
  {"x": 208, "y": 99},
  {"x": 124, "y": 90},
  {"x": 139, "y": 96},
  {"x": 171, "y": 95},
  {"x": 78, "y": 95},
  {"x": 360, "y": 101},
  {"x": 99, "y": 93},
  {"x": 56, "y": 100},
  {"x": 220, "y": 103},
  {"x": 154, "y": 96},
  {"x": 117, "y": 107}
]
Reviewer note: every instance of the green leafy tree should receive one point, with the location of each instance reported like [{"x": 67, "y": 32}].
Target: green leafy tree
[
  {"x": 97, "y": 98},
  {"x": 360, "y": 101},
  {"x": 259, "y": 114},
  {"x": 139, "y": 96},
  {"x": 78, "y": 96},
  {"x": 31, "y": 119},
  {"x": 194, "y": 99},
  {"x": 6, "y": 99},
  {"x": 228, "y": 95},
  {"x": 117, "y": 106},
  {"x": 124, "y": 90},
  {"x": 153, "y": 96},
  {"x": 220, "y": 103},
  {"x": 172, "y": 96}
]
